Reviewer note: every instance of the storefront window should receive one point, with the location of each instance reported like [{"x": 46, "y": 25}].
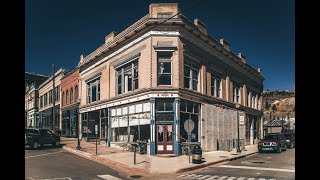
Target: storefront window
[
  {"x": 189, "y": 110},
  {"x": 164, "y": 110}
]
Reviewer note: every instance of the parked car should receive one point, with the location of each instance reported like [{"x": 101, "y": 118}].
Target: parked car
[
  {"x": 275, "y": 142},
  {"x": 290, "y": 139},
  {"x": 36, "y": 137}
]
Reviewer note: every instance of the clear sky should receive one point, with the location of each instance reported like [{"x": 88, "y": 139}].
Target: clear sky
[{"x": 59, "y": 31}]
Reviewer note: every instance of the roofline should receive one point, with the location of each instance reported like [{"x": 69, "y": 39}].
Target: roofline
[
  {"x": 61, "y": 70},
  {"x": 37, "y": 74}
]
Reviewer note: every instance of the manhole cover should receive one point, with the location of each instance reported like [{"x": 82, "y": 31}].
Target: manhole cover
[
  {"x": 258, "y": 162},
  {"x": 135, "y": 176}
]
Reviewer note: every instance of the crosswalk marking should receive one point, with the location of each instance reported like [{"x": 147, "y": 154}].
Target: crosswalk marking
[
  {"x": 204, "y": 177},
  {"x": 215, "y": 177},
  {"x": 258, "y": 168},
  {"x": 108, "y": 177}
]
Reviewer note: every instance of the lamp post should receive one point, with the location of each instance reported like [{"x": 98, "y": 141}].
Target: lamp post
[
  {"x": 238, "y": 146},
  {"x": 78, "y": 133}
]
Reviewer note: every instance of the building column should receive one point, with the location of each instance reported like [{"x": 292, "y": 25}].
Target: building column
[
  {"x": 109, "y": 128},
  {"x": 228, "y": 88},
  {"x": 176, "y": 106},
  {"x": 152, "y": 127},
  {"x": 244, "y": 95}
]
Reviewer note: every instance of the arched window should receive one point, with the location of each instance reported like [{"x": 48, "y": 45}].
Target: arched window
[
  {"x": 71, "y": 95},
  {"x": 62, "y": 98},
  {"x": 67, "y": 95},
  {"x": 76, "y": 93}
]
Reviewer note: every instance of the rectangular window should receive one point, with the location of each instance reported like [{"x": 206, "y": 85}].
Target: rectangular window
[
  {"x": 253, "y": 100},
  {"x": 191, "y": 75},
  {"x": 93, "y": 89},
  {"x": 164, "y": 110},
  {"x": 45, "y": 99},
  {"x": 236, "y": 92},
  {"x": 127, "y": 78},
  {"x": 41, "y": 101},
  {"x": 57, "y": 93},
  {"x": 215, "y": 84},
  {"x": 164, "y": 68}
]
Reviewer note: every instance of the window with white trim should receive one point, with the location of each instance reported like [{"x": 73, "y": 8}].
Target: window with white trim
[
  {"x": 93, "y": 90},
  {"x": 128, "y": 77},
  {"x": 253, "y": 100},
  {"x": 164, "y": 68},
  {"x": 191, "y": 75},
  {"x": 215, "y": 84}
]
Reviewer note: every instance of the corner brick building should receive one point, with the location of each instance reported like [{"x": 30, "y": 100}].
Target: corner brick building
[{"x": 147, "y": 81}]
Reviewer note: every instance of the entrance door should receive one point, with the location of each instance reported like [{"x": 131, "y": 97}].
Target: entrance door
[{"x": 164, "y": 139}]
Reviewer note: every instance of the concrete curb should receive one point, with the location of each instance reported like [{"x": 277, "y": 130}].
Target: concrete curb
[
  {"x": 212, "y": 163},
  {"x": 119, "y": 167}
]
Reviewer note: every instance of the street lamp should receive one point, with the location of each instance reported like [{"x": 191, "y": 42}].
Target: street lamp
[
  {"x": 238, "y": 146},
  {"x": 78, "y": 133}
]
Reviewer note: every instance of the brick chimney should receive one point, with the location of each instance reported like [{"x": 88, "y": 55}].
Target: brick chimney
[
  {"x": 201, "y": 26},
  {"x": 163, "y": 10},
  {"x": 242, "y": 57},
  {"x": 110, "y": 37},
  {"x": 225, "y": 44}
]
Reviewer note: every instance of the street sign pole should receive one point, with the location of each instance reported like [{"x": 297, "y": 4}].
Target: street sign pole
[
  {"x": 189, "y": 126},
  {"x": 189, "y": 149},
  {"x": 96, "y": 132}
]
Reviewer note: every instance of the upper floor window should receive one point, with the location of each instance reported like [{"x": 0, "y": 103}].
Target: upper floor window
[
  {"x": 67, "y": 95},
  {"x": 57, "y": 93},
  {"x": 215, "y": 84},
  {"x": 164, "y": 68},
  {"x": 76, "y": 93},
  {"x": 41, "y": 101},
  {"x": 50, "y": 97},
  {"x": 45, "y": 99},
  {"x": 71, "y": 95},
  {"x": 253, "y": 100},
  {"x": 127, "y": 77},
  {"x": 191, "y": 75},
  {"x": 93, "y": 90},
  {"x": 236, "y": 92},
  {"x": 63, "y": 98}
]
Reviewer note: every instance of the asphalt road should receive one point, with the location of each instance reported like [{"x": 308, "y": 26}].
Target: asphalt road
[
  {"x": 262, "y": 166},
  {"x": 56, "y": 163}
]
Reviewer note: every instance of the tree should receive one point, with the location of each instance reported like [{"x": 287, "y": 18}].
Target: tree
[{"x": 274, "y": 108}]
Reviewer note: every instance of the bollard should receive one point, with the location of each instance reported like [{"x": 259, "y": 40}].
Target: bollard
[{"x": 134, "y": 155}]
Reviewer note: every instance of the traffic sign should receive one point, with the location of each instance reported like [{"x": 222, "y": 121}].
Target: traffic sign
[{"x": 189, "y": 125}]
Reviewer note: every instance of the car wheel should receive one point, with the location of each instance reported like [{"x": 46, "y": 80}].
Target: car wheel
[
  {"x": 291, "y": 146},
  {"x": 279, "y": 150},
  {"x": 35, "y": 145},
  {"x": 56, "y": 144}
]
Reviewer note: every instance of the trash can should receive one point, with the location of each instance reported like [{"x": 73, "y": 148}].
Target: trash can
[{"x": 197, "y": 155}]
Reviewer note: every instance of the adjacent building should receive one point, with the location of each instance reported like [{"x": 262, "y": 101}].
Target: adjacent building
[
  {"x": 32, "y": 81},
  {"x": 46, "y": 99},
  {"x": 69, "y": 103},
  {"x": 146, "y": 82}
]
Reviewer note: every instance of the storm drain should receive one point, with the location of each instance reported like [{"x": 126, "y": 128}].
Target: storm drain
[
  {"x": 135, "y": 176},
  {"x": 234, "y": 154}
]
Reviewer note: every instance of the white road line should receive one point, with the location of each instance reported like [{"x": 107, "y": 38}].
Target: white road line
[
  {"x": 213, "y": 177},
  {"x": 222, "y": 178},
  {"x": 262, "y": 179},
  {"x": 241, "y": 178},
  {"x": 191, "y": 176},
  {"x": 258, "y": 168},
  {"x": 42, "y": 154},
  {"x": 203, "y": 177},
  {"x": 108, "y": 177},
  {"x": 183, "y": 175},
  {"x": 250, "y": 179},
  {"x": 231, "y": 178}
]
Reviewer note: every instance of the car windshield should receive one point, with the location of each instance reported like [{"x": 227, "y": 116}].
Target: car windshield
[{"x": 271, "y": 137}]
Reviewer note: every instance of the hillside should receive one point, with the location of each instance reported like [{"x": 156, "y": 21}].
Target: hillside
[{"x": 279, "y": 103}]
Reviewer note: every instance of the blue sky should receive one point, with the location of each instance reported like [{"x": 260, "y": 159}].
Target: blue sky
[{"x": 58, "y": 31}]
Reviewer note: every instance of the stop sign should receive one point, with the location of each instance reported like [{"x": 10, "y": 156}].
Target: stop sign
[{"x": 189, "y": 125}]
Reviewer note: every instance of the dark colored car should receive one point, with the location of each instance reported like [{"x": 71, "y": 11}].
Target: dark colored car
[
  {"x": 36, "y": 137},
  {"x": 290, "y": 139},
  {"x": 275, "y": 142}
]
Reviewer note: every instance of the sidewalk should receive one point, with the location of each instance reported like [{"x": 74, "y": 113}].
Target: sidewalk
[{"x": 122, "y": 161}]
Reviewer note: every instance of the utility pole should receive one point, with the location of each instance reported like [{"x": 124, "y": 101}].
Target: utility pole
[{"x": 54, "y": 102}]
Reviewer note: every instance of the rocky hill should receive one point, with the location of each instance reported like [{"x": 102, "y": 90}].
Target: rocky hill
[{"x": 279, "y": 103}]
